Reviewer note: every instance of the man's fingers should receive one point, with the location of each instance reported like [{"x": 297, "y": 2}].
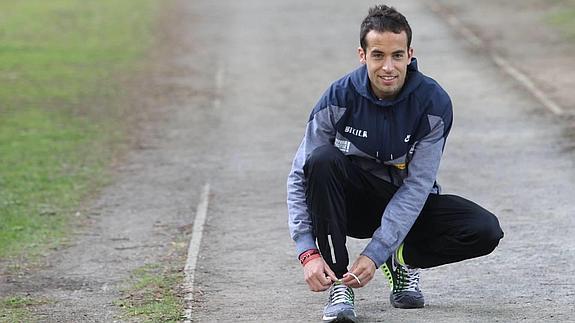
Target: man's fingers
[
  {"x": 314, "y": 284},
  {"x": 330, "y": 273},
  {"x": 323, "y": 280},
  {"x": 357, "y": 279},
  {"x": 319, "y": 287},
  {"x": 353, "y": 267},
  {"x": 352, "y": 280},
  {"x": 347, "y": 279},
  {"x": 360, "y": 274},
  {"x": 318, "y": 275},
  {"x": 352, "y": 283},
  {"x": 354, "y": 277},
  {"x": 318, "y": 282}
]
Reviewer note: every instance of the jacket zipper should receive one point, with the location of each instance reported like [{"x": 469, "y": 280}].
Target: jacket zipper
[
  {"x": 377, "y": 131},
  {"x": 390, "y": 131},
  {"x": 389, "y": 123}
]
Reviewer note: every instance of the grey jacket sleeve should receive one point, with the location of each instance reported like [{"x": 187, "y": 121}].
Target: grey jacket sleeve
[
  {"x": 320, "y": 131},
  {"x": 405, "y": 206}
]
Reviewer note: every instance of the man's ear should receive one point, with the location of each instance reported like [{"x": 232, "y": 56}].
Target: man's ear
[
  {"x": 410, "y": 52},
  {"x": 361, "y": 54}
]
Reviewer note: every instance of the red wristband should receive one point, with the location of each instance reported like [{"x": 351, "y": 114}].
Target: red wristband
[
  {"x": 309, "y": 258},
  {"x": 305, "y": 256}
]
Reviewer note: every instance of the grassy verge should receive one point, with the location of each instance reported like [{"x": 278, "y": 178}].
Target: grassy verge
[
  {"x": 564, "y": 18},
  {"x": 154, "y": 292},
  {"x": 61, "y": 112},
  {"x": 17, "y": 309}
]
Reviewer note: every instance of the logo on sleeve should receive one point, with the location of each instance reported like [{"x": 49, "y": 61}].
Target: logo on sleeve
[{"x": 342, "y": 145}]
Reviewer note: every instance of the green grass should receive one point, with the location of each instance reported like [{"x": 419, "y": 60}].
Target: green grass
[
  {"x": 17, "y": 309},
  {"x": 563, "y": 18},
  {"x": 154, "y": 293},
  {"x": 61, "y": 107},
  {"x": 46, "y": 170}
]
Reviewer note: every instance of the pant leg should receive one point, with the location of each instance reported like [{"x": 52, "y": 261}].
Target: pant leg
[
  {"x": 324, "y": 173},
  {"x": 343, "y": 200},
  {"x": 450, "y": 229}
]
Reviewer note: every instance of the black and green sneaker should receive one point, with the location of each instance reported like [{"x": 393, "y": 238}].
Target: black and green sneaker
[{"x": 404, "y": 284}]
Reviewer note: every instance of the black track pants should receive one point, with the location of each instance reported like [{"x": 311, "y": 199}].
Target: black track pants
[{"x": 344, "y": 200}]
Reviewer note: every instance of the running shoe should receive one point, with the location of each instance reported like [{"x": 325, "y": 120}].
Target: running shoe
[
  {"x": 340, "y": 306},
  {"x": 404, "y": 284}
]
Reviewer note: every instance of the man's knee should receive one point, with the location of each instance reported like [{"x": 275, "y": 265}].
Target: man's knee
[
  {"x": 322, "y": 158},
  {"x": 324, "y": 154},
  {"x": 488, "y": 232},
  {"x": 324, "y": 164}
]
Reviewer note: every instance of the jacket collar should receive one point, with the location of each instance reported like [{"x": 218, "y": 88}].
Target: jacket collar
[{"x": 360, "y": 80}]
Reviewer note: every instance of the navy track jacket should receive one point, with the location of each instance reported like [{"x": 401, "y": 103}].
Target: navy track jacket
[{"x": 400, "y": 141}]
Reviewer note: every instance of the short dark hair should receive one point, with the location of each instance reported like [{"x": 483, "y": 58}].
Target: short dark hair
[{"x": 382, "y": 18}]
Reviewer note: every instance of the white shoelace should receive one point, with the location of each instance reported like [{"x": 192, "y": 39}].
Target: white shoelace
[
  {"x": 410, "y": 280},
  {"x": 340, "y": 294}
]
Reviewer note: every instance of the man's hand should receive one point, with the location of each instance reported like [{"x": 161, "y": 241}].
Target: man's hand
[
  {"x": 318, "y": 275},
  {"x": 363, "y": 268}
]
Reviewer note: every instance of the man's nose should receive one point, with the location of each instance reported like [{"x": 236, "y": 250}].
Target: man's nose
[{"x": 387, "y": 65}]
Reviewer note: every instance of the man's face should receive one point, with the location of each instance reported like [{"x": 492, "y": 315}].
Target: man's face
[{"x": 387, "y": 57}]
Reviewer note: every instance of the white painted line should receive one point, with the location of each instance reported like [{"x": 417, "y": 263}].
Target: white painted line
[
  {"x": 456, "y": 24},
  {"x": 501, "y": 62},
  {"x": 466, "y": 32},
  {"x": 194, "y": 250},
  {"x": 527, "y": 83}
]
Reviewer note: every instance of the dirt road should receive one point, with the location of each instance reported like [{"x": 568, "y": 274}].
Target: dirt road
[
  {"x": 243, "y": 78},
  {"x": 506, "y": 152}
]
